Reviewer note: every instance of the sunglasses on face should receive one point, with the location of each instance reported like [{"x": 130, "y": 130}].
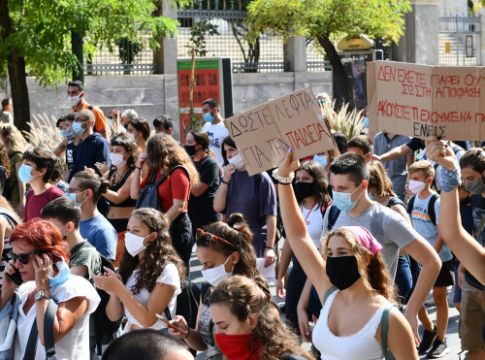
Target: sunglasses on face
[
  {"x": 205, "y": 237},
  {"x": 23, "y": 258}
]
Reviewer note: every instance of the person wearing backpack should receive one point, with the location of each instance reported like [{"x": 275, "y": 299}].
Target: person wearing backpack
[
  {"x": 424, "y": 210},
  {"x": 149, "y": 277},
  {"x": 223, "y": 250},
  {"x": 167, "y": 188},
  {"x": 353, "y": 283}
]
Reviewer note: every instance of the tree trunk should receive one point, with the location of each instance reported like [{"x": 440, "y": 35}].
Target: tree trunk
[
  {"x": 16, "y": 73},
  {"x": 338, "y": 71},
  {"x": 158, "y": 61},
  {"x": 77, "y": 50}
]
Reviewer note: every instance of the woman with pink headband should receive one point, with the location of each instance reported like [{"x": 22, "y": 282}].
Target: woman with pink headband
[{"x": 357, "y": 320}]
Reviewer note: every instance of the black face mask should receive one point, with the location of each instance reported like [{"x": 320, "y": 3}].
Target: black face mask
[
  {"x": 190, "y": 149},
  {"x": 342, "y": 271},
  {"x": 303, "y": 190}
]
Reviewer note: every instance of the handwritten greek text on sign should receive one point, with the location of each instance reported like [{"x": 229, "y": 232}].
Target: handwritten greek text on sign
[
  {"x": 423, "y": 101},
  {"x": 264, "y": 133}
]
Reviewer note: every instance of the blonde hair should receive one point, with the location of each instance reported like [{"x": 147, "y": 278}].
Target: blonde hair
[
  {"x": 376, "y": 275},
  {"x": 379, "y": 180},
  {"x": 424, "y": 166},
  {"x": 13, "y": 138}
]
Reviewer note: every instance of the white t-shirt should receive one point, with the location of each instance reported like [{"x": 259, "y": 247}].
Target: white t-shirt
[
  {"x": 216, "y": 133},
  {"x": 314, "y": 223},
  {"x": 75, "y": 344},
  {"x": 169, "y": 276}
]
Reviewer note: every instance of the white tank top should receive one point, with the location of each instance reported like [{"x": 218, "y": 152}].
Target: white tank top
[{"x": 360, "y": 346}]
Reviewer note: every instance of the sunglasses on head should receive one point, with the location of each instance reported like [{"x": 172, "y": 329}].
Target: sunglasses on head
[
  {"x": 202, "y": 236},
  {"x": 23, "y": 258}
]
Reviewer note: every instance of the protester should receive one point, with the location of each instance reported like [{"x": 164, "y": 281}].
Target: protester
[
  {"x": 424, "y": 211},
  {"x": 149, "y": 276},
  {"x": 163, "y": 124},
  {"x": 468, "y": 250},
  {"x": 127, "y": 116},
  {"x": 201, "y": 211},
  {"x": 4, "y": 166},
  {"x": 92, "y": 148},
  {"x": 247, "y": 322},
  {"x": 140, "y": 131},
  {"x": 68, "y": 143},
  {"x": 14, "y": 188},
  {"x": 76, "y": 98},
  {"x": 146, "y": 344},
  {"x": 253, "y": 196},
  {"x": 169, "y": 163},
  {"x": 214, "y": 127},
  {"x": 360, "y": 145},
  {"x": 6, "y": 116},
  {"x": 65, "y": 215},
  {"x": 85, "y": 189},
  {"x": 223, "y": 250},
  {"x": 310, "y": 188},
  {"x": 8, "y": 221},
  {"x": 355, "y": 267},
  {"x": 396, "y": 169},
  {"x": 38, "y": 167},
  {"x": 39, "y": 255},
  {"x": 325, "y": 159}
]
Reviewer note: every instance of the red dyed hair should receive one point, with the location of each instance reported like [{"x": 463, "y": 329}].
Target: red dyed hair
[{"x": 43, "y": 236}]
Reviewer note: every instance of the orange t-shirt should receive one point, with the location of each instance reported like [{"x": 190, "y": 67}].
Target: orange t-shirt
[
  {"x": 175, "y": 186},
  {"x": 100, "y": 122}
]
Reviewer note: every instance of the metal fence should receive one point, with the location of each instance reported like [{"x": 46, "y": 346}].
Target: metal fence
[
  {"x": 459, "y": 40},
  {"x": 315, "y": 58}
]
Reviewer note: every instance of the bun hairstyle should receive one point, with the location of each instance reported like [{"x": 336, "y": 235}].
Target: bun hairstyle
[
  {"x": 244, "y": 297},
  {"x": 238, "y": 238},
  {"x": 88, "y": 179}
]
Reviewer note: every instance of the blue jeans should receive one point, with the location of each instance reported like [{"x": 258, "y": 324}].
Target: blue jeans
[{"x": 404, "y": 279}]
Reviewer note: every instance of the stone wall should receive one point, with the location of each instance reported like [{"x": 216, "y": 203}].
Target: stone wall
[{"x": 153, "y": 95}]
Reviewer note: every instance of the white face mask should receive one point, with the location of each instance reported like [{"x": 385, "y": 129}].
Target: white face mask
[
  {"x": 116, "y": 159},
  {"x": 416, "y": 186},
  {"x": 237, "y": 161},
  {"x": 215, "y": 275},
  {"x": 134, "y": 244},
  {"x": 73, "y": 100}
]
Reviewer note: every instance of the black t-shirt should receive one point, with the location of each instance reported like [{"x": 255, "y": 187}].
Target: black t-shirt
[
  {"x": 88, "y": 152},
  {"x": 70, "y": 148},
  {"x": 201, "y": 210},
  {"x": 478, "y": 212}
]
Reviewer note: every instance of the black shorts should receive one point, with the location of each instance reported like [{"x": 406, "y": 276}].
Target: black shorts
[{"x": 445, "y": 277}]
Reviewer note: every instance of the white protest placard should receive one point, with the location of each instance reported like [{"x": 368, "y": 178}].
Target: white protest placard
[
  {"x": 264, "y": 133},
  {"x": 423, "y": 101}
]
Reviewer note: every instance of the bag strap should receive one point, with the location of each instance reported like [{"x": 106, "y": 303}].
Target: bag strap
[
  {"x": 29, "y": 353},
  {"x": 480, "y": 228},
  {"x": 328, "y": 293},
  {"x": 384, "y": 333},
  {"x": 411, "y": 204},
  {"x": 431, "y": 212},
  {"x": 333, "y": 214},
  {"x": 49, "y": 318}
]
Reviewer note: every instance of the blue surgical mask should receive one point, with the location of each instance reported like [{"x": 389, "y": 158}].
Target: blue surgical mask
[
  {"x": 343, "y": 201},
  {"x": 321, "y": 159},
  {"x": 67, "y": 134},
  {"x": 61, "y": 277},
  {"x": 73, "y": 197},
  {"x": 208, "y": 117},
  {"x": 77, "y": 128},
  {"x": 25, "y": 173}
]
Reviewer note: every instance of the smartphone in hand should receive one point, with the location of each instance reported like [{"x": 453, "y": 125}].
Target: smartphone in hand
[{"x": 16, "y": 277}]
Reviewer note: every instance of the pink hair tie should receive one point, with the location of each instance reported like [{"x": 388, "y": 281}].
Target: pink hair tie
[{"x": 365, "y": 238}]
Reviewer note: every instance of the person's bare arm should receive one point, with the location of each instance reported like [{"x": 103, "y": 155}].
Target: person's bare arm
[
  {"x": 221, "y": 193},
  {"x": 117, "y": 197},
  {"x": 395, "y": 153},
  {"x": 400, "y": 337},
  {"x": 283, "y": 265},
  {"x": 198, "y": 189},
  {"x": 176, "y": 209}
]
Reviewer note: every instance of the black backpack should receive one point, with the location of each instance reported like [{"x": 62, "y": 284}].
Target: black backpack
[
  {"x": 188, "y": 302},
  {"x": 104, "y": 328},
  {"x": 333, "y": 213},
  {"x": 149, "y": 195},
  {"x": 431, "y": 212}
]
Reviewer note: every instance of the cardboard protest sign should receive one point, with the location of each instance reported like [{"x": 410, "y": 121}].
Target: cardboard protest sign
[
  {"x": 423, "y": 101},
  {"x": 264, "y": 133}
]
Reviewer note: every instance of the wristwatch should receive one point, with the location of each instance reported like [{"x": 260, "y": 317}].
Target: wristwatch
[{"x": 39, "y": 295}]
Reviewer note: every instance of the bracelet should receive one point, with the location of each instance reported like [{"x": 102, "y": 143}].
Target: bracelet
[
  {"x": 225, "y": 182},
  {"x": 188, "y": 333},
  {"x": 284, "y": 180}
]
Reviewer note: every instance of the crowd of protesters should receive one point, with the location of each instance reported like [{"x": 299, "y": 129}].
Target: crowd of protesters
[{"x": 96, "y": 237}]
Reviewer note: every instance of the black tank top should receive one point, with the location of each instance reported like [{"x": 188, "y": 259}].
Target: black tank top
[{"x": 115, "y": 187}]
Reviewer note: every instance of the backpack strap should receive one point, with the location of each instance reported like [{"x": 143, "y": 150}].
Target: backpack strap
[
  {"x": 328, "y": 293},
  {"x": 333, "y": 214},
  {"x": 50, "y": 315},
  {"x": 164, "y": 177},
  {"x": 411, "y": 204},
  {"x": 384, "y": 333},
  {"x": 31, "y": 347},
  {"x": 431, "y": 212}
]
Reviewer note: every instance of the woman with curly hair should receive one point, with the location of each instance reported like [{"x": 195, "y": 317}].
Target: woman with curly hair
[
  {"x": 247, "y": 322},
  {"x": 353, "y": 285},
  {"x": 223, "y": 250},
  {"x": 15, "y": 143},
  {"x": 150, "y": 274},
  {"x": 173, "y": 173}
]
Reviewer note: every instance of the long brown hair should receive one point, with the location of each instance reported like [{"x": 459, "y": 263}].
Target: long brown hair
[
  {"x": 164, "y": 153},
  {"x": 4, "y": 160},
  {"x": 244, "y": 297},
  {"x": 379, "y": 180},
  {"x": 13, "y": 138},
  {"x": 376, "y": 275},
  {"x": 157, "y": 254}
]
